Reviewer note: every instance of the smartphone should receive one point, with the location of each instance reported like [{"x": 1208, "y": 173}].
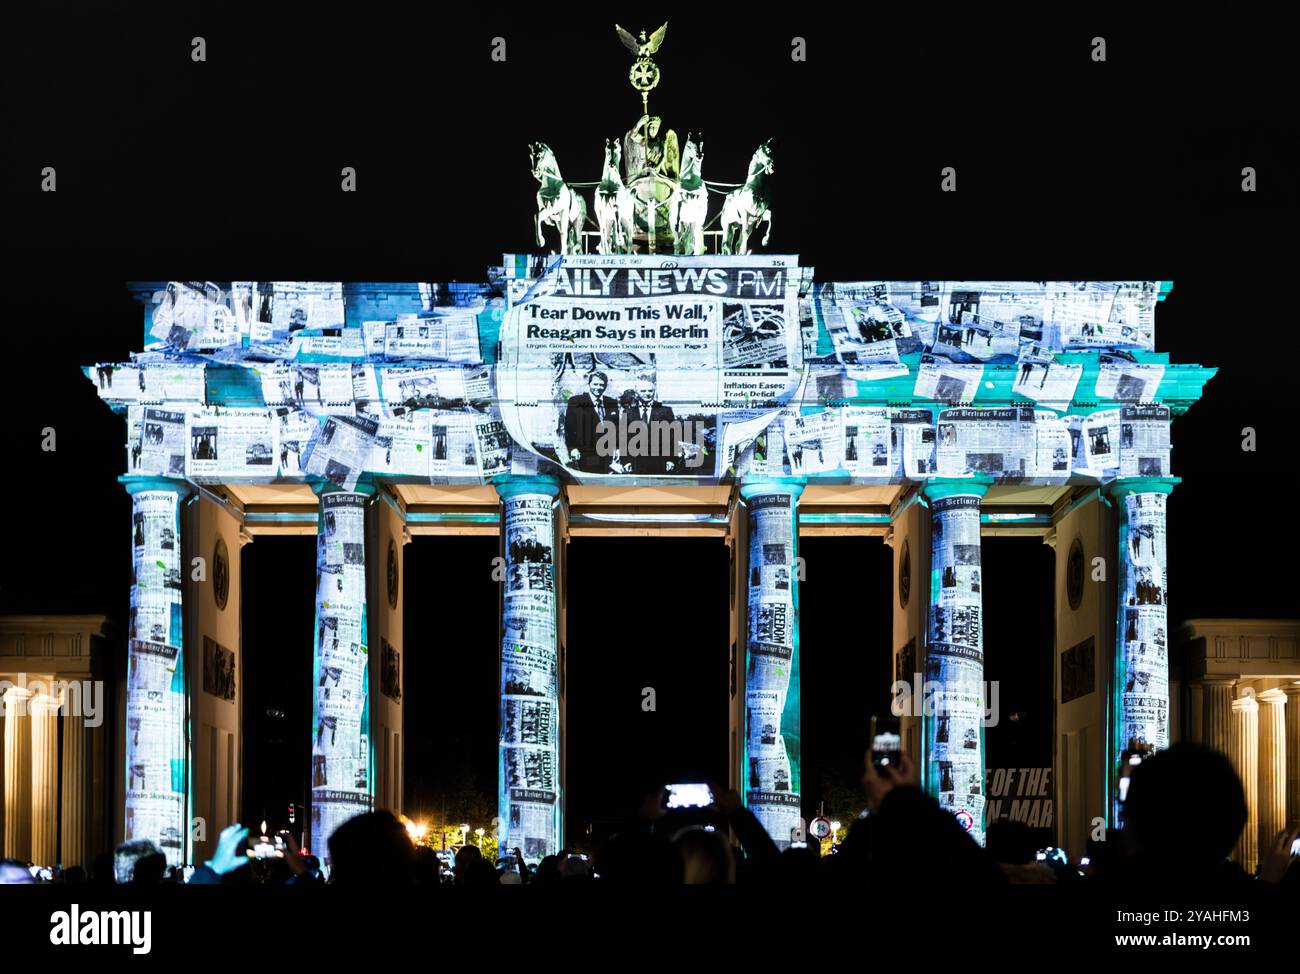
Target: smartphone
[
  {"x": 1128, "y": 761},
  {"x": 1295, "y": 848},
  {"x": 266, "y": 847},
  {"x": 1053, "y": 854},
  {"x": 886, "y": 743},
  {"x": 688, "y": 796}
]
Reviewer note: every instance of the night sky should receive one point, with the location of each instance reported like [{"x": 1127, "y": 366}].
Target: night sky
[{"x": 229, "y": 169}]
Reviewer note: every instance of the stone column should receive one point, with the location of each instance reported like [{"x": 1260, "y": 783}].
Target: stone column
[
  {"x": 74, "y": 790},
  {"x": 771, "y": 762},
  {"x": 529, "y": 800},
  {"x": 4, "y": 721},
  {"x": 1292, "y": 750},
  {"x": 1140, "y": 691},
  {"x": 953, "y": 698},
  {"x": 1216, "y": 714},
  {"x": 157, "y": 743},
  {"x": 3, "y": 711},
  {"x": 342, "y": 779},
  {"x": 1245, "y": 759},
  {"x": 45, "y": 779},
  {"x": 1195, "y": 712},
  {"x": 18, "y": 775},
  {"x": 1272, "y": 766}
]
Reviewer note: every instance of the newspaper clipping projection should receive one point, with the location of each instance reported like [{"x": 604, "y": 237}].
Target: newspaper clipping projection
[
  {"x": 254, "y": 381},
  {"x": 647, "y": 367},
  {"x": 772, "y": 732},
  {"x": 954, "y": 663},
  {"x": 594, "y": 368},
  {"x": 616, "y": 366},
  {"x": 528, "y": 777},
  {"x": 1143, "y": 657},
  {"x": 156, "y": 757},
  {"x": 340, "y": 753}
]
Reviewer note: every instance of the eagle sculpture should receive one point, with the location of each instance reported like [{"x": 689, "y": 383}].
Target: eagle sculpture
[{"x": 643, "y": 47}]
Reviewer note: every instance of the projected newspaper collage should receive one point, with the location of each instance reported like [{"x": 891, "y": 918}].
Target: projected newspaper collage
[
  {"x": 954, "y": 662},
  {"x": 528, "y": 797},
  {"x": 772, "y": 718},
  {"x": 712, "y": 368},
  {"x": 1143, "y": 652},
  {"x": 257, "y": 381},
  {"x": 640, "y": 370},
  {"x": 156, "y": 755},
  {"x": 341, "y": 777}
]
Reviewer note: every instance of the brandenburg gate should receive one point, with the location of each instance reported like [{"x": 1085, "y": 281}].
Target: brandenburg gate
[{"x": 727, "y": 395}]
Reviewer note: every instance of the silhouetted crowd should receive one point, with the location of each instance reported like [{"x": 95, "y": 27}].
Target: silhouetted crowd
[{"x": 1183, "y": 814}]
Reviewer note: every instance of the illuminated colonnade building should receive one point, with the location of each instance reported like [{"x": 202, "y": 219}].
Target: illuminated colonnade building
[
  {"x": 727, "y": 396},
  {"x": 57, "y": 735}
]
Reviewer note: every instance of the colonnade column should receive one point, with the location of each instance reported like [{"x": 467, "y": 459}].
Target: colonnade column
[
  {"x": 4, "y": 710},
  {"x": 18, "y": 775},
  {"x": 44, "y": 720},
  {"x": 73, "y": 822},
  {"x": 1216, "y": 714},
  {"x": 771, "y": 760},
  {"x": 953, "y": 699},
  {"x": 1245, "y": 759},
  {"x": 530, "y": 802},
  {"x": 157, "y": 746},
  {"x": 1195, "y": 713},
  {"x": 1140, "y": 677},
  {"x": 1272, "y": 766},
  {"x": 342, "y": 779},
  {"x": 1292, "y": 749}
]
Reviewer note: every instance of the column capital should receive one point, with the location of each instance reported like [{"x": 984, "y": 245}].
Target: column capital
[
  {"x": 319, "y": 485},
  {"x": 1245, "y": 705},
  {"x": 44, "y": 704},
  {"x": 1142, "y": 485},
  {"x": 937, "y": 488},
  {"x": 912, "y": 494},
  {"x": 773, "y": 485},
  {"x": 135, "y": 485},
  {"x": 1216, "y": 681},
  {"x": 15, "y": 695},
  {"x": 1291, "y": 690},
  {"x": 513, "y": 485},
  {"x": 1276, "y": 696}
]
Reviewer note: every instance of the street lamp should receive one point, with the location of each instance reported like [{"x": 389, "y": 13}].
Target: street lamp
[
  {"x": 479, "y": 833},
  {"x": 464, "y": 835}
]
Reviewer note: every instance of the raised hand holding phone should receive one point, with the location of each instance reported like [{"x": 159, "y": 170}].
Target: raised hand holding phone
[{"x": 879, "y": 781}]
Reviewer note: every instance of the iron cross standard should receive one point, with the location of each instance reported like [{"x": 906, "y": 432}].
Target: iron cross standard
[{"x": 644, "y": 74}]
